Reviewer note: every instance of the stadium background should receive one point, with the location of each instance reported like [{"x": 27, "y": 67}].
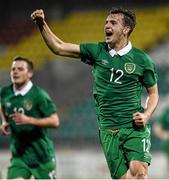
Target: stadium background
[{"x": 69, "y": 82}]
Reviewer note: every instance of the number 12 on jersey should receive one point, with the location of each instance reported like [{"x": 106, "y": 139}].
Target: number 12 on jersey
[{"x": 119, "y": 73}]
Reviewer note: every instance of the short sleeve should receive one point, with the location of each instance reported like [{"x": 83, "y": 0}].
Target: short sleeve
[
  {"x": 150, "y": 75},
  {"x": 89, "y": 52},
  {"x": 47, "y": 106}
]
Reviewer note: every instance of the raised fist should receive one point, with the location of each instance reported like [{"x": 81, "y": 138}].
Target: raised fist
[{"x": 38, "y": 15}]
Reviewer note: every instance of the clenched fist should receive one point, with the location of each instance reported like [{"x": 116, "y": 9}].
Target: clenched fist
[{"x": 38, "y": 16}]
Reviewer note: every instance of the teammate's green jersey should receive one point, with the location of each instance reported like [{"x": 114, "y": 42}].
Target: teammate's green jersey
[
  {"x": 164, "y": 123},
  {"x": 164, "y": 119},
  {"x": 31, "y": 143},
  {"x": 118, "y": 83}
]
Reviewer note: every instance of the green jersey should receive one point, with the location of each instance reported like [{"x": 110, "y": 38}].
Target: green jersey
[
  {"x": 30, "y": 143},
  {"x": 118, "y": 82},
  {"x": 164, "y": 120},
  {"x": 164, "y": 123}
]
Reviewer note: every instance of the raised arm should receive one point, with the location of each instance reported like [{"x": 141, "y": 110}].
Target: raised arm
[{"x": 55, "y": 44}]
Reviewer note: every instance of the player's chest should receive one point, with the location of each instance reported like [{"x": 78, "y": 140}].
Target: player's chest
[
  {"x": 125, "y": 63},
  {"x": 17, "y": 104},
  {"x": 116, "y": 69}
]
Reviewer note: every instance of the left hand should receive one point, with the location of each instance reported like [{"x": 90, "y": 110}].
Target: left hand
[
  {"x": 140, "y": 119},
  {"x": 21, "y": 119}
]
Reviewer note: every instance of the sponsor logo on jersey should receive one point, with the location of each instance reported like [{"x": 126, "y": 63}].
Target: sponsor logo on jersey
[
  {"x": 129, "y": 67},
  {"x": 27, "y": 105},
  {"x": 104, "y": 61}
]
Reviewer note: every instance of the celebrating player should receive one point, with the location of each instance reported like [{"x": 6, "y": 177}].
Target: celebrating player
[{"x": 119, "y": 72}]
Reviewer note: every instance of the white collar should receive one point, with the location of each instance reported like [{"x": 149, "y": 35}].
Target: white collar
[
  {"x": 24, "y": 90},
  {"x": 121, "y": 52}
]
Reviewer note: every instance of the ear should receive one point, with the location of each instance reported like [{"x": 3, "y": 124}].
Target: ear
[
  {"x": 30, "y": 74},
  {"x": 126, "y": 30}
]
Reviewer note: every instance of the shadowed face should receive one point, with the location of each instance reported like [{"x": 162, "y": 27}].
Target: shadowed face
[
  {"x": 20, "y": 74},
  {"x": 115, "y": 30}
]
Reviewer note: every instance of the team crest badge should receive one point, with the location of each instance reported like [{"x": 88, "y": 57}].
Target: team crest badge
[
  {"x": 129, "y": 67},
  {"x": 27, "y": 105}
]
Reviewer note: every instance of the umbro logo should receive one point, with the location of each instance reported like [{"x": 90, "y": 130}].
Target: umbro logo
[{"x": 104, "y": 62}]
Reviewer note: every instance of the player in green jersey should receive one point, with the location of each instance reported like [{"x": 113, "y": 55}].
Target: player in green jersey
[
  {"x": 27, "y": 110},
  {"x": 120, "y": 71},
  {"x": 161, "y": 129}
]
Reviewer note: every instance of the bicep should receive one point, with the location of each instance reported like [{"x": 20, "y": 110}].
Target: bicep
[{"x": 153, "y": 90}]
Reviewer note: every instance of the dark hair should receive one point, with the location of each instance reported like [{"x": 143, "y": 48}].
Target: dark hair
[
  {"x": 129, "y": 16},
  {"x": 29, "y": 62}
]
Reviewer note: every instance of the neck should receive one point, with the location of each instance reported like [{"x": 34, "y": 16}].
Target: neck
[
  {"x": 119, "y": 45},
  {"x": 20, "y": 86}
]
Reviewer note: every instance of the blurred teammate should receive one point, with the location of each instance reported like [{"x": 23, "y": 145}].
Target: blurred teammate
[
  {"x": 161, "y": 129},
  {"x": 28, "y": 111},
  {"x": 119, "y": 71}
]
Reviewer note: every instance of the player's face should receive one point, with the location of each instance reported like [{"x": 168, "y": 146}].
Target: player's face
[
  {"x": 20, "y": 74},
  {"x": 114, "y": 29}
]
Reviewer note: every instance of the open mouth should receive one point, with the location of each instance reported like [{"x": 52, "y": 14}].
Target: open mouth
[
  {"x": 15, "y": 77},
  {"x": 109, "y": 33}
]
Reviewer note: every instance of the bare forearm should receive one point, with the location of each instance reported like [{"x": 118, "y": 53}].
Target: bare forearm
[
  {"x": 3, "y": 117},
  {"x": 151, "y": 104},
  {"x": 4, "y": 125},
  {"x": 55, "y": 44},
  {"x": 44, "y": 122},
  {"x": 50, "y": 39},
  {"x": 51, "y": 121}
]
